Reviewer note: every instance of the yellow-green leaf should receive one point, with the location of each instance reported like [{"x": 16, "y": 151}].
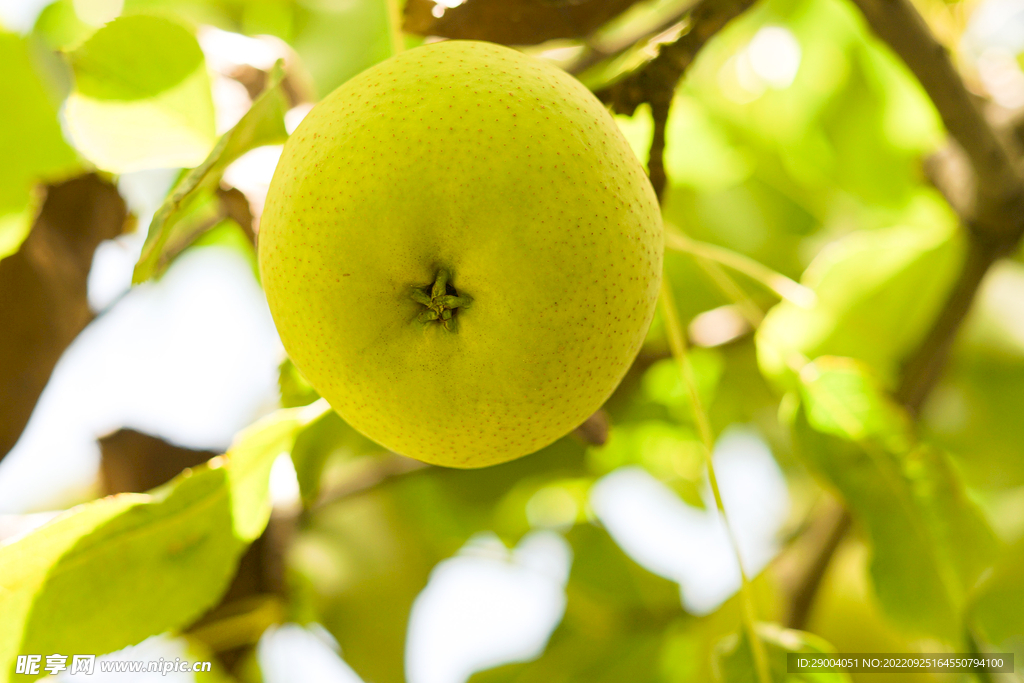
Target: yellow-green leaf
[
  {"x": 142, "y": 96},
  {"x": 262, "y": 125}
]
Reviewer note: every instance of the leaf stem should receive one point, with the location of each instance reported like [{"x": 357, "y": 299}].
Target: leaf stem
[
  {"x": 677, "y": 342},
  {"x": 783, "y": 286}
]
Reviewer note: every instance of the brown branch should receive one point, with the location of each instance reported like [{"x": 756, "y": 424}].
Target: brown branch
[
  {"x": 655, "y": 82},
  {"x": 921, "y": 371},
  {"x": 997, "y": 213},
  {"x": 596, "y": 53},
  {"x": 43, "y": 291},
  {"x": 818, "y": 542}
]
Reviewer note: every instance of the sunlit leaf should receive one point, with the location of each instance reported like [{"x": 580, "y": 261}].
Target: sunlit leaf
[
  {"x": 294, "y": 388},
  {"x": 31, "y": 145},
  {"x": 877, "y": 292},
  {"x": 262, "y": 125},
  {"x": 142, "y": 96},
  {"x": 174, "y": 550},
  {"x": 843, "y": 399},
  {"x": 250, "y": 459},
  {"x": 930, "y": 543}
]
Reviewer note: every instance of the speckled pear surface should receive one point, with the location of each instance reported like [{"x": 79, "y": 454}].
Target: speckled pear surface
[{"x": 461, "y": 253}]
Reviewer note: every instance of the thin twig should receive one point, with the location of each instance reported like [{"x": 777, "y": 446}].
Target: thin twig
[
  {"x": 383, "y": 468},
  {"x": 395, "y": 27},
  {"x": 783, "y": 286},
  {"x": 599, "y": 53},
  {"x": 746, "y": 306},
  {"x": 819, "y": 540},
  {"x": 656, "y": 81},
  {"x": 678, "y": 343},
  {"x": 921, "y": 371}
]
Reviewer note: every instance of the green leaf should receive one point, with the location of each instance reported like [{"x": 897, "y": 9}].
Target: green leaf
[
  {"x": 997, "y": 605},
  {"x": 638, "y": 130},
  {"x": 262, "y": 125},
  {"x": 329, "y": 436},
  {"x": 251, "y": 457},
  {"x": 59, "y": 26},
  {"x": 142, "y": 96},
  {"x": 735, "y": 665},
  {"x": 31, "y": 144},
  {"x": 173, "y": 552},
  {"x": 877, "y": 293},
  {"x": 930, "y": 542},
  {"x": 672, "y": 453},
  {"x": 843, "y": 399},
  {"x": 293, "y": 386},
  {"x": 663, "y": 383}
]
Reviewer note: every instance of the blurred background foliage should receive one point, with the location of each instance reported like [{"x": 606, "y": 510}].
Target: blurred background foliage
[{"x": 796, "y": 140}]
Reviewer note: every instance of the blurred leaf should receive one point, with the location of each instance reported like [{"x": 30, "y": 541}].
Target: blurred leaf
[
  {"x": 930, "y": 542},
  {"x": 316, "y": 444},
  {"x": 367, "y": 563},
  {"x": 31, "y": 144},
  {"x": 175, "y": 551},
  {"x": 701, "y": 152},
  {"x": 670, "y": 452},
  {"x": 974, "y": 411},
  {"x": 997, "y": 606},
  {"x": 59, "y": 26},
  {"x": 843, "y": 399},
  {"x": 615, "y": 614},
  {"x": 294, "y": 388},
  {"x": 142, "y": 96},
  {"x": 605, "y": 579},
  {"x": 878, "y": 291},
  {"x": 734, "y": 661},
  {"x": 338, "y": 40},
  {"x": 663, "y": 383},
  {"x": 262, "y": 125},
  {"x": 511, "y": 22}
]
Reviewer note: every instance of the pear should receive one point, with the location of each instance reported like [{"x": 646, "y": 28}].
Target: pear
[{"x": 461, "y": 253}]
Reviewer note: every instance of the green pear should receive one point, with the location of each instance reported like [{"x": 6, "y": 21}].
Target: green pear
[{"x": 461, "y": 253}]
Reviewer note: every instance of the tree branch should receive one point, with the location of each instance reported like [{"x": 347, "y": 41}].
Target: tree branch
[
  {"x": 997, "y": 214},
  {"x": 922, "y": 370},
  {"x": 819, "y": 543},
  {"x": 655, "y": 82}
]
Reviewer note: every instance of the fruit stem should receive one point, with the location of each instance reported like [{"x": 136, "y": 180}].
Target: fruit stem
[{"x": 677, "y": 342}]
